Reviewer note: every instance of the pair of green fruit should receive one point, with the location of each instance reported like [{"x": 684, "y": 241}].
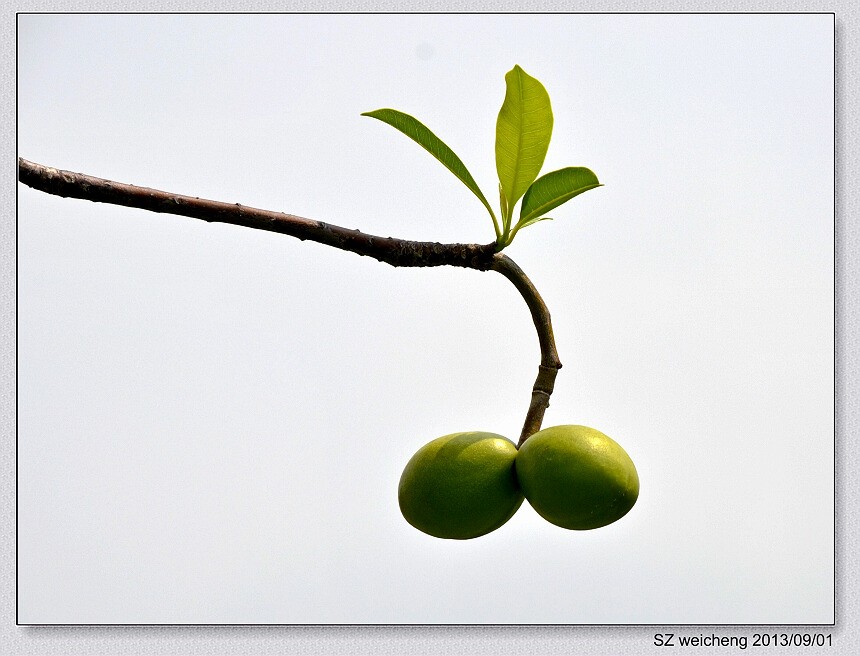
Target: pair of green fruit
[{"x": 465, "y": 485}]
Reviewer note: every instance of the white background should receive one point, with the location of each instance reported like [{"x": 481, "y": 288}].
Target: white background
[{"x": 212, "y": 421}]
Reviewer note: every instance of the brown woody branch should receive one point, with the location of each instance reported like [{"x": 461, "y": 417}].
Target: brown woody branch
[{"x": 396, "y": 252}]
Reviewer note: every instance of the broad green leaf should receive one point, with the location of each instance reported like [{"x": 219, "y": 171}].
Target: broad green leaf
[
  {"x": 523, "y": 131},
  {"x": 551, "y": 190},
  {"x": 417, "y": 131}
]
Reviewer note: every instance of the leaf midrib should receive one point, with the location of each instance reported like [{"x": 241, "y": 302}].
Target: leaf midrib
[{"x": 517, "y": 159}]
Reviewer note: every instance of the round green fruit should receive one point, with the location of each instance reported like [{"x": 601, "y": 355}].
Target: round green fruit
[
  {"x": 461, "y": 486},
  {"x": 577, "y": 477}
]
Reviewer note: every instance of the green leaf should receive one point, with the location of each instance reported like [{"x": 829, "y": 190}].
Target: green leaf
[
  {"x": 417, "y": 131},
  {"x": 540, "y": 218},
  {"x": 503, "y": 202},
  {"x": 523, "y": 132},
  {"x": 551, "y": 190}
]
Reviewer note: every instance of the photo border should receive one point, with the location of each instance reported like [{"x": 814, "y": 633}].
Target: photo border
[{"x": 450, "y": 639}]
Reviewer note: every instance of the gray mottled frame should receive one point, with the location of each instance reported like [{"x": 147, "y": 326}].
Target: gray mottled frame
[{"x": 449, "y": 639}]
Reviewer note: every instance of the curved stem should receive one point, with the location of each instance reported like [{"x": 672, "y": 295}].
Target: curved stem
[
  {"x": 396, "y": 252},
  {"x": 549, "y": 361}
]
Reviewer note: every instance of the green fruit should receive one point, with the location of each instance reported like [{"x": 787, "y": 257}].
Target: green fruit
[
  {"x": 577, "y": 477},
  {"x": 461, "y": 486}
]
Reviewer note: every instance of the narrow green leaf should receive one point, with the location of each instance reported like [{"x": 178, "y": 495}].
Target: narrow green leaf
[
  {"x": 503, "y": 202},
  {"x": 540, "y": 218},
  {"x": 551, "y": 190},
  {"x": 523, "y": 132},
  {"x": 417, "y": 131},
  {"x": 516, "y": 229}
]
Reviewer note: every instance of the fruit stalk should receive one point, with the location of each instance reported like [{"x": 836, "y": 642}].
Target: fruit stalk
[
  {"x": 549, "y": 361},
  {"x": 396, "y": 252}
]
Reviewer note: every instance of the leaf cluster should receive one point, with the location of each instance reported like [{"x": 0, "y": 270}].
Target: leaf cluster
[{"x": 523, "y": 132}]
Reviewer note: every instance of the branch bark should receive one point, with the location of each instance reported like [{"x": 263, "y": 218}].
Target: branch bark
[{"x": 396, "y": 252}]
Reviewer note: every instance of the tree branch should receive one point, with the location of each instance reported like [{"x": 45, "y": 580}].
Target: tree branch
[{"x": 396, "y": 252}]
